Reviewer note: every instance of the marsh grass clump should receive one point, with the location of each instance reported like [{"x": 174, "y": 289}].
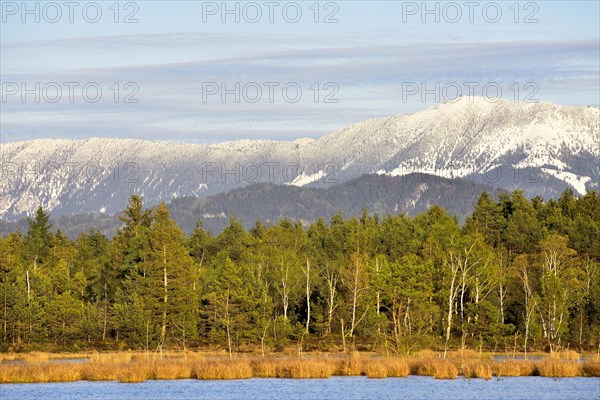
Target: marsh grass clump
[
  {"x": 36, "y": 372},
  {"x": 376, "y": 369},
  {"x": 397, "y": 366},
  {"x": 352, "y": 365},
  {"x": 7, "y": 373},
  {"x": 294, "y": 368},
  {"x": 96, "y": 371},
  {"x": 222, "y": 369},
  {"x": 264, "y": 368},
  {"x": 591, "y": 368},
  {"x": 135, "y": 372},
  {"x": 382, "y": 367},
  {"x": 168, "y": 369},
  {"x": 306, "y": 368},
  {"x": 444, "y": 369},
  {"x": 558, "y": 369},
  {"x": 437, "y": 367},
  {"x": 421, "y": 366},
  {"x": 514, "y": 368},
  {"x": 61, "y": 372},
  {"x": 476, "y": 369}
]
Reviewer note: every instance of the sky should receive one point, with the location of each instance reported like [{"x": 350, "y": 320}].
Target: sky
[{"x": 207, "y": 72}]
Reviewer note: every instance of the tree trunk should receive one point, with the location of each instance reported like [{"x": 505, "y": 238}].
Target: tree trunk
[
  {"x": 354, "y": 298},
  {"x": 407, "y": 324},
  {"x": 284, "y": 291},
  {"x": 262, "y": 339},
  {"x": 163, "y": 330},
  {"x": 227, "y": 323},
  {"x": 452, "y": 293},
  {"x": 28, "y": 287},
  {"x": 397, "y": 328},
  {"x": 332, "y": 279},
  {"x": 501, "y": 289},
  {"x": 105, "y": 322},
  {"x": 377, "y": 268},
  {"x": 343, "y": 335},
  {"x": 307, "y": 273}
]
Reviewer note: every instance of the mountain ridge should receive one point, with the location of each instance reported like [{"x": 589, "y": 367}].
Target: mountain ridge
[
  {"x": 268, "y": 203},
  {"x": 540, "y": 148}
]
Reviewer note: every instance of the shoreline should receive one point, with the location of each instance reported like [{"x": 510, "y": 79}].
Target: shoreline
[{"x": 130, "y": 367}]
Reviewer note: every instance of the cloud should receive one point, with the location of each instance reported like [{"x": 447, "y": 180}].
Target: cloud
[{"x": 366, "y": 76}]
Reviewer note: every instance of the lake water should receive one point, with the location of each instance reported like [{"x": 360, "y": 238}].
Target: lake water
[{"x": 413, "y": 387}]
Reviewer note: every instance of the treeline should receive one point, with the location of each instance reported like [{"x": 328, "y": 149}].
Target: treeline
[{"x": 519, "y": 274}]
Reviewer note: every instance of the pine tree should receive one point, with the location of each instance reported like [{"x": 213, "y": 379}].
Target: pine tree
[
  {"x": 168, "y": 287},
  {"x": 39, "y": 238},
  {"x": 523, "y": 231},
  {"x": 487, "y": 219}
]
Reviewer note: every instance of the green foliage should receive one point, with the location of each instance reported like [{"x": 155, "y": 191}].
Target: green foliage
[
  {"x": 39, "y": 238},
  {"x": 519, "y": 271}
]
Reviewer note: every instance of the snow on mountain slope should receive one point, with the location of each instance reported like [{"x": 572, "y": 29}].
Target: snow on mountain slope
[
  {"x": 471, "y": 135},
  {"x": 471, "y": 138}
]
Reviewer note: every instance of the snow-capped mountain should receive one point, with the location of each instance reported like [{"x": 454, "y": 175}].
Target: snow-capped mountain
[{"x": 540, "y": 148}]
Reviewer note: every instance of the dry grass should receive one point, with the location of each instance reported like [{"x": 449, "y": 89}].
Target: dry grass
[
  {"x": 64, "y": 372},
  {"x": 35, "y": 356},
  {"x": 294, "y": 368},
  {"x": 167, "y": 369},
  {"x": 514, "y": 368},
  {"x": 122, "y": 357},
  {"x": 8, "y": 357},
  {"x": 557, "y": 368},
  {"x": 376, "y": 369},
  {"x": 383, "y": 367},
  {"x": 436, "y": 367},
  {"x": 476, "y": 369},
  {"x": 138, "y": 367},
  {"x": 591, "y": 368},
  {"x": 10, "y": 373},
  {"x": 351, "y": 365},
  {"x": 396, "y": 366},
  {"x": 138, "y": 371},
  {"x": 425, "y": 353},
  {"x": 464, "y": 353},
  {"x": 222, "y": 369},
  {"x": 444, "y": 369},
  {"x": 35, "y": 372},
  {"x": 135, "y": 372},
  {"x": 421, "y": 366},
  {"x": 40, "y": 356},
  {"x": 311, "y": 368},
  {"x": 566, "y": 355},
  {"x": 265, "y": 368},
  {"x": 94, "y": 371}
]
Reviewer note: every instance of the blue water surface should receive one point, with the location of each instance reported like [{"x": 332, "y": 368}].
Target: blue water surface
[{"x": 412, "y": 387}]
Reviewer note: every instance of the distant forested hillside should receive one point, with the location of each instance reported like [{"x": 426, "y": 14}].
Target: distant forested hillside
[{"x": 268, "y": 203}]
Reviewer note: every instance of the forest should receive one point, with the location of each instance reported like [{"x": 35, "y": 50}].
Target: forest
[{"x": 519, "y": 274}]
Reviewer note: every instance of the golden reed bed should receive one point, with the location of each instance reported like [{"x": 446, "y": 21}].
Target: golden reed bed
[{"x": 138, "y": 367}]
